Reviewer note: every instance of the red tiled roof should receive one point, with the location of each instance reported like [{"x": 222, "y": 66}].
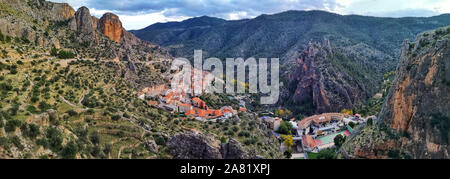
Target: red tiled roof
[
  {"x": 309, "y": 141},
  {"x": 190, "y": 112},
  {"x": 218, "y": 113},
  {"x": 243, "y": 109},
  {"x": 185, "y": 105},
  {"x": 201, "y": 112},
  {"x": 226, "y": 110},
  {"x": 197, "y": 100}
]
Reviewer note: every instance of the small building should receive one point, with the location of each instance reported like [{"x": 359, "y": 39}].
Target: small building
[
  {"x": 141, "y": 95},
  {"x": 241, "y": 109},
  {"x": 309, "y": 143},
  {"x": 182, "y": 107},
  {"x": 294, "y": 125},
  {"x": 190, "y": 113},
  {"x": 152, "y": 103},
  {"x": 199, "y": 103},
  {"x": 276, "y": 124}
]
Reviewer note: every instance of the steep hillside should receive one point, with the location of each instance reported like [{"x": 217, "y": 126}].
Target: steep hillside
[
  {"x": 69, "y": 85},
  {"x": 414, "y": 121}
]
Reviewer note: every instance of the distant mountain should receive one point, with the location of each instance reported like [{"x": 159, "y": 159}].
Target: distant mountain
[
  {"x": 415, "y": 119},
  {"x": 364, "y": 48},
  {"x": 284, "y": 34}
]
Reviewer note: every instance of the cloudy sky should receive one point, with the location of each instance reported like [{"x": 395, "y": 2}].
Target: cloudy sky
[{"x": 136, "y": 14}]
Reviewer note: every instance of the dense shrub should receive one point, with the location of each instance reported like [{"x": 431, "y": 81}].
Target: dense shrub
[
  {"x": 69, "y": 151},
  {"x": 62, "y": 54},
  {"x": 160, "y": 141},
  {"x": 11, "y": 125}
]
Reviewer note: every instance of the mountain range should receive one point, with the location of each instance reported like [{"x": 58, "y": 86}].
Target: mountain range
[{"x": 361, "y": 50}]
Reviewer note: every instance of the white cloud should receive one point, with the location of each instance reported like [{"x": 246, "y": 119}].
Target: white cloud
[{"x": 134, "y": 22}]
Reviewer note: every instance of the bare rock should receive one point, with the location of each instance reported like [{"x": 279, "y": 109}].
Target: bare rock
[
  {"x": 194, "y": 146},
  {"x": 233, "y": 150},
  {"x": 151, "y": 146},
  {"x": 111, "y": 26}
]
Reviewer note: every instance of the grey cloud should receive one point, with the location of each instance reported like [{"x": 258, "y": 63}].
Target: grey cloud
[
  {"x": 218, "y": 8},
  {"x": 405, "y": 13}
]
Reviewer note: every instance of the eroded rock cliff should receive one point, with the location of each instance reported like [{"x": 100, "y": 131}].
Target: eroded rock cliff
[
  {"x": 415, "y": 119},
  {"x": 328, "y": 79},
  {"x": 111, "y": 26}
]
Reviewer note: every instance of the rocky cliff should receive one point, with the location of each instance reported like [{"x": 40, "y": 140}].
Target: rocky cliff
[
  {"x": 415, "y": 119},
  {"x": 111, "y": 26},
  {"x": 329, "y": 78},
  {"x": 200, "y": 146}
]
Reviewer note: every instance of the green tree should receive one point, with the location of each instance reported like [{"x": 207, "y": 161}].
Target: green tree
[
  {"x": 370, "y": 121},
  {"x": 339, "y": 140},
  {"x": 327, "y": 154},
  {"x": 69, "y": 151},
  {"x": 62, "y": 54},
  {"x": 287, "y": 154},
  {"x": 43, "y": 106},
  {"x": 352, "y": 124},
  {"x": 285, "y": 128},
  {"x": 54, "y": 51}
]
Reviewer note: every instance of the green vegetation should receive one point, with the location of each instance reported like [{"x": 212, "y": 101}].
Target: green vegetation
[
  {"x": 62, "y": 54},
  {"x": 323, "y": 154},
  {"x": 339, "y": 140},
  {"x": 285, "y": 128}
]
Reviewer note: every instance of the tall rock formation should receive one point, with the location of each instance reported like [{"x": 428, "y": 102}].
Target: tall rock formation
[
  {"x": 61, "y": 11},
  {"x": 111, "y": 26},
  {"x": 319, "y": 83},
  {"x": 415, "y": 119},
  {"x": 83, "y": 21}
]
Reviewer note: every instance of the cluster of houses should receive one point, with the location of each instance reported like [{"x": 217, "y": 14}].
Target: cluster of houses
[
  {"x": 317, "y": 132},
  {"x": 188, "y": 105},
  {"x": 183, "y": 99}
]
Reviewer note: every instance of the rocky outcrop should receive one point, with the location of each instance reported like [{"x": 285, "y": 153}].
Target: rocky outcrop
[
  {"x": 417, "y": 107},
  {"x": 83, "y": 21},
  {"x": 194, "y": 146},
  {"x": 110, "y": 25},
  {"x": 200, "y": 146},
  {"x": 45, "y": 118},
  {"x": 233, "y": 150},
  {"x": 61, "y": 11},
  {"x": 151, "y": 146},
  {"x": 320, "y": 83}
]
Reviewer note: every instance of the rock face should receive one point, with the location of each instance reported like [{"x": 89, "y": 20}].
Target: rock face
[
  {"x": 62, "y": 11},
  {"x": 194, "y": 146},
  {"x": 233, "y": 150},
  {"x": 111, "y": 26},
  {"x": 319, "y": 83},
  {"x": 200, "y": 146},
  {"x": 83, "y": 21},
  {"x": 151, "y": 146},
  {"x": 417, "y": 107}
]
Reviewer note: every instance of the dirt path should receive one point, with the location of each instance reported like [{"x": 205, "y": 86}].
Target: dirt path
[{"x": 68, "y": 102}]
